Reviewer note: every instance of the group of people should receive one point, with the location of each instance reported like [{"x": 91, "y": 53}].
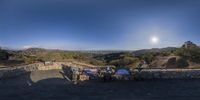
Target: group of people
[
  {"x": 105, "y": 73},
  {"x": 76, "y": 72}
]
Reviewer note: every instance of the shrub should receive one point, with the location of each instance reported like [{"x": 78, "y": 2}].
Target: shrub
[
  {"x": 4, "y": 55},
  {"x": 192, "y": 53},
  {"x": 182, "y": 63}
]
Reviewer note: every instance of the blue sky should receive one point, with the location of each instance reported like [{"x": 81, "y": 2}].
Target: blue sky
[{"x": 98, "y": 24}]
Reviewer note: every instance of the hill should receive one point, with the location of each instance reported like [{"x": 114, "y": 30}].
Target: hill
[
  {"x": 188, "y": 54},
  {"x": 154, "y": 50}
]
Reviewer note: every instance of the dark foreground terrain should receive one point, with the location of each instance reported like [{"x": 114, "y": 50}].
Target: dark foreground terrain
[{"x": 50, "y": 85}]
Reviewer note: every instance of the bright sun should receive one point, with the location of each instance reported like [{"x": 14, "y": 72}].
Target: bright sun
[{"x": 154, "y": 40}]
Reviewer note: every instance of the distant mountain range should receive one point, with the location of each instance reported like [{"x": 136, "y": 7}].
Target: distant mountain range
[{"x": 136, "y": 52}]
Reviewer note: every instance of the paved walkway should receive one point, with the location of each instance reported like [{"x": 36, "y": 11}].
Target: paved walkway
[{"x": 57, "y": 88}]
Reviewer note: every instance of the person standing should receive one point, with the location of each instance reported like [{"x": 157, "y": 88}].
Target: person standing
[{"x": 75, "y": 74}]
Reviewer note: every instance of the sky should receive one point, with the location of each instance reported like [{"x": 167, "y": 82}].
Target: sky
[{"x": 98, "y": 24}]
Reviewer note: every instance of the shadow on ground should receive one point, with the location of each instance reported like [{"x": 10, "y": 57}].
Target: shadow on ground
[{"x": 51, "y": 85}]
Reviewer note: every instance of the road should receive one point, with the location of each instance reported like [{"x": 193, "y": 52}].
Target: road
[{"x": 50, "y": 85}]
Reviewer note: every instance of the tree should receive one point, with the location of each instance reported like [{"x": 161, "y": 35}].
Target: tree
[
  {"x": 124, "y": 61},
  {"x": 4, "y": 55},
  {"x": 192, "y": 53},
  {"x": 148, "y": 57}
]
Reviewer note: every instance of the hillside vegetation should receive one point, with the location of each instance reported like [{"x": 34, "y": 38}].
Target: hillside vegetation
[{"x": 183, "y": 57}]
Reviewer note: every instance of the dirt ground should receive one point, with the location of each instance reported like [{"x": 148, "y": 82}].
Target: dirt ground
[{"x": 50, "y": 85}]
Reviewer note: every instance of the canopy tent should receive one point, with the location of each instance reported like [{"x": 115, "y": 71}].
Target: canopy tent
[
  {"x": 91, "y": 71},
  {"x": 122, "y": 72}
]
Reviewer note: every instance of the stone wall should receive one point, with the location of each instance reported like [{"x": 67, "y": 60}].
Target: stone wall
[
  {"x": 19, "y": 70},
  {"x": 144, "y": 74},
  {"x": 167, "y": 73}
]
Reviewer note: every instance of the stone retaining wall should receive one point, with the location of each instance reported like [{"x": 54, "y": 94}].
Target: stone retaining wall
[
  {"x": 144, "y": 74},
  {"x": 167, "y": 73},
  {"x": 16, "y": 71}
]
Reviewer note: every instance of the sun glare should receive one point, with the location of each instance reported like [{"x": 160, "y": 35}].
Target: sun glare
[{"x": 154, "y": 40}]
